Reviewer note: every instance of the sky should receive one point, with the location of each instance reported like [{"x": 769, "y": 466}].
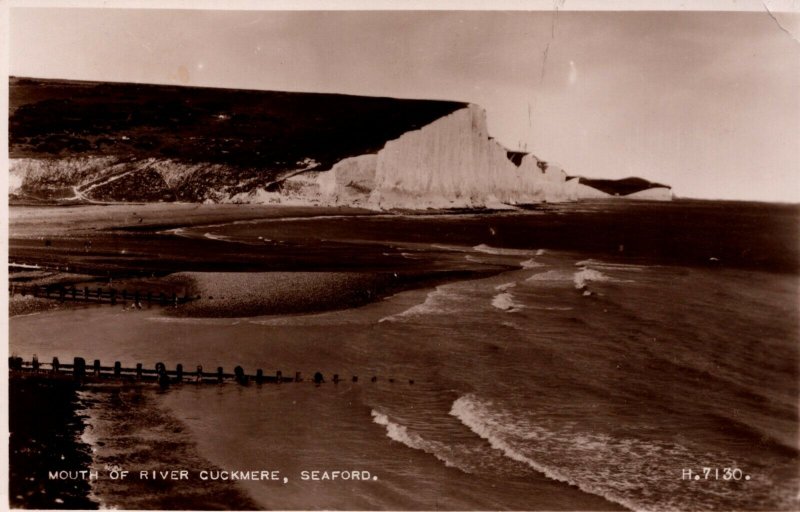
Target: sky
[{"x": 707, "y": 102}]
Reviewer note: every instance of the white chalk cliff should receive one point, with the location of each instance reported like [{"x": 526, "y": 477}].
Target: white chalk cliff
[{"x": 451, "y": 162}]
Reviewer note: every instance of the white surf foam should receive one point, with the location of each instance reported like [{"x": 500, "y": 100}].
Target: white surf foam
[
  {"x": 550, "y": 275},
  {"x": 610, "y": 266},
  {"x": 400, "y": 433},
  {"x": 501, "y": 251},
  {"x": 442, "y": 300},
  {"x": 505, "y": 301},
  {"x": 618, "y": 469},
  {"x": 531, "y": 263},
  {"x": 506, "y": 286},
  {"x": 585, "y": 275}
]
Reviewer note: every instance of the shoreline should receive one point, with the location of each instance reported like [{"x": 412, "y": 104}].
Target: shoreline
[{"x": 60, "y": 434}]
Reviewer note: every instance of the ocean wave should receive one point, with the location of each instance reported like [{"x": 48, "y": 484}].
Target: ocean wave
[
  {"x": 531, "y": 263},
  {"x": 212, "y": 236},
  {"x": 501, "y": 251},
  {"x": 610, "y": 266},
  {"x": 551, "y": 275},
  {"x": 505, "y": 286},
  {"x": 442, "y": 300},
  {"x": 619, "y": 469},
  {"x": 585, "y": 275},
  {"x": 505, "y": 302},
  {"x": 473, "y": 414},
  {"x": 400, "y": 433}
]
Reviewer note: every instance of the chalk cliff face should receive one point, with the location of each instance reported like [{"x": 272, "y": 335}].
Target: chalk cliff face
[{"x": 449, "y": 163}]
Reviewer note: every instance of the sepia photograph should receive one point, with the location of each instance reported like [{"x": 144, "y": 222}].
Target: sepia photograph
[{"x": 421, "y": 256}]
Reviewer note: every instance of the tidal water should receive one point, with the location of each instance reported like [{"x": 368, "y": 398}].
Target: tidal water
[{"x": 574, "y": 379}]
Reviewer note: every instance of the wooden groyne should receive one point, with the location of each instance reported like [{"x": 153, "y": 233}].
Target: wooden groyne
[
  {"x": 79, "y": 371},
  {"x": 100, "y": 294}
]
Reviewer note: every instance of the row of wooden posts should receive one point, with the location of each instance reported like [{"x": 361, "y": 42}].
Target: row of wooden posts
[
  {"x": 80, "y": 372},
  {"x": 87, "y": 294}
]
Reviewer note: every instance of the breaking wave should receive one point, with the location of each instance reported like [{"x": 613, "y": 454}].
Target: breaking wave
[
  {"x": 399, "y": 433},
  {"x": 442, "y": 300},
  {"x": 585, "y": 275},
  {"x": 551, "y": 275},
  {"x": 617, "y": 469},
  {"x": 505, "y": 252},
  {"x": 531, "y": 263},
  {"x": 505, "y": 301}
]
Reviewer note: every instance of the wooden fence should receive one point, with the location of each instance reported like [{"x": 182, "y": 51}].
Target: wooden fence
[
  {"x": 99, "y": 294},
  {"x": 80, "y": 372}
]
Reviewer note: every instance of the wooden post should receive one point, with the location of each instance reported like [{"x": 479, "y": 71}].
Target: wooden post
[
  {"x": 74, "y": 292},
  {"x": 117, "y": 368},
  {"x": 97, "y": 367},
  {"x": 335, "y": 378},
  {"x": 279, "y": 376},
  {"x": 138, "y": 371},
  {"x": 35, "y": 363},
  {"x": 259, "y": 376},
  {"x": 199, "y": 373},
  {"x": 241, "y": 378},
  {"x": 99, "y": 294},
  {"x": 298, "y": 377},
  {"x": 78, "y": 368},
  {"x": 85, "y": 293},
  {"x": 219, "y": 374},
  {"x": 179, "y": 373},
  {"x": 56, "y": 365},
  {"x": 355, "y": 378},
  {"x": 113, "y": 294}
]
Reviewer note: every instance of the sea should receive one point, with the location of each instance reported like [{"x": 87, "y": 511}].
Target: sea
[{"x": 606, "y": 374}]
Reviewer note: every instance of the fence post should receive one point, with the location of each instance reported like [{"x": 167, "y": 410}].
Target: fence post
[
  {"x": 241, "y": 378},
  {"x": 335, "y": 378},
  {"x": 279, "y": 376},
  {"x": 79, "y": 368},
  {"x": 97, "y": 367},
  {"x": 113, "y": 294},
  {"x": 179, "y": 372},
  {"x": 138, "y": 371},
  {"x": 74, "y": 292},
  {"x": 259, "y": 376},
  {"x": 85, "y": 293},
  {"x": 298, "y": 377},
  {"x": 219, "y": 374},
  {"x": 117, "y": 368},
  {"x": 56, "y": 365}
]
